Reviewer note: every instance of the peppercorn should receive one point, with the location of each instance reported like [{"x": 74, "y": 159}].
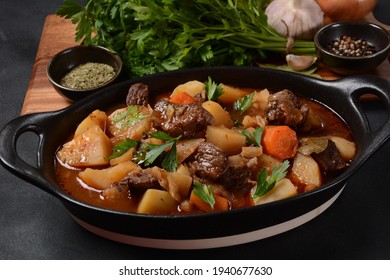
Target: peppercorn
[{"x": 352, "y": 47}]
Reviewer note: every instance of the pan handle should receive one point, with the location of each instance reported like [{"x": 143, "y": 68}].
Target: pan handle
[
  {"x": 9, "y": 156},
  {"x": 357, "y": 86}
]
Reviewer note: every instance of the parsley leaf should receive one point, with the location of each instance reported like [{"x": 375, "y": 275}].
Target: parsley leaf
[
  {"x": 264, "y": 185},
  {"x": 153, "y": 151},
  {"x": 69, "y": 8},
  {"x": 161, "y": 135},
  {"x": 122, "y": 147},
  {"x": 205, "y": 193},
  {"x": 243, "y": 103},
  {"x": 255, "y": 139},
  {"x": 213, "y": 90},
  {"x": 257, "y": 136},
  {"x": 170, "y": 162}
]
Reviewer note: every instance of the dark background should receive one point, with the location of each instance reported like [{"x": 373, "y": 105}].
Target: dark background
[{"x": 34, "y": 225}]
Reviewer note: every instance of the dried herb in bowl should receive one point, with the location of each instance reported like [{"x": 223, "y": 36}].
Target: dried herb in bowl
[{"x": 88, "y": 75}]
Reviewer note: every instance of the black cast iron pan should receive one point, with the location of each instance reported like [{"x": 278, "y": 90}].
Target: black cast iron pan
[{"x": 210, "y": 230}]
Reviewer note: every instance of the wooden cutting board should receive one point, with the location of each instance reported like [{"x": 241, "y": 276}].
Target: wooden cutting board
[{"x": 58, "y": 34}]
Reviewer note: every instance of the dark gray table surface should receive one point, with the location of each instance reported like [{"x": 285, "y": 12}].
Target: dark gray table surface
[{"x": 34, "y": 225}]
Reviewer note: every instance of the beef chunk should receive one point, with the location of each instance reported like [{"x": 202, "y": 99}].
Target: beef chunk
[
  {"x": 180, "y": 119},
  {"x": 239, "y": 179},
  {"x": 330, "y": 159},
  {"x": 283, "y": 108},
  {"x": 138, "y": 95},
  {"x": 209, "y": 161},
  {"x": 138, "y": 181}
]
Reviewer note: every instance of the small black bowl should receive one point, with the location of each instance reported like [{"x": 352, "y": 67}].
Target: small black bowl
[
  {"x": 347, "y": 65},
  {"x": 67, "y": 59}
]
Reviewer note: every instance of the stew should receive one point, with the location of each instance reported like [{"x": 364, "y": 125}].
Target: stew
[{"x": 203, "y": 147}]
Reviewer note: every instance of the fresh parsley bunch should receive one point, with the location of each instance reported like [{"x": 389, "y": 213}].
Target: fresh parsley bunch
[{"x": 160, "y": 35}]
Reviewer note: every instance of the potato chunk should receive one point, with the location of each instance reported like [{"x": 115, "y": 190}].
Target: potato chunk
[
  {"x": 231, "y": 94},
  {"x": 192, "y": 88},
  {"x": 104, "y": 178},
  {"x": 97, "y": 117},
  {"x": 260, "y": 101},
  {"x": 228, "y": 140},
  {"x": 131, "y": 122},
  {"x": 305, "y": 171},
  {"x": 177, "y": 184},
  {"x": 90, "y": 148},
  {"x": 346, "y": 148},
  {"x": 283, "y": 189},
  {"x": 127, "y": 156},
  {"x": 268, "y": 162},
  {"x": 221, "y": 116},
  {"x": 157, "y": 202}
]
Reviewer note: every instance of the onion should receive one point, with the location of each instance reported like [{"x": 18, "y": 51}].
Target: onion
[{"x": 346, "y": 9}]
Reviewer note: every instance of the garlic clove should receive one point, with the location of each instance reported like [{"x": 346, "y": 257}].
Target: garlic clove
[{"x": 300, "y": 62}]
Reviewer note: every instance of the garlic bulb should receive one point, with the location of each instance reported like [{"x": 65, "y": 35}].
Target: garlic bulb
[{"x": 295, "y": 18}]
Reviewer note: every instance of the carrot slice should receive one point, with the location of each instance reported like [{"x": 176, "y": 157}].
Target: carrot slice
[
  {"x": 221, "y": 203},
  {"x": 182, "y": 98},
  {"x": 280, "y": 142}
]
